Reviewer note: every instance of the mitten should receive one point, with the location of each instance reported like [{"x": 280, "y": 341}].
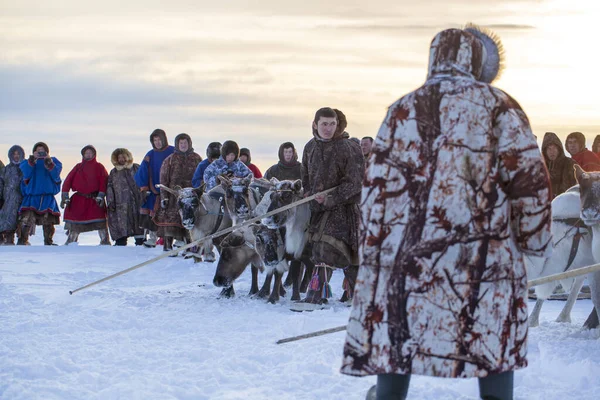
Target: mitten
[
  {"x": 31, "y": 159},
  {"x": 145, "y": 195},
  {"x": 64, "y": 200},
  {"x": 164, "y": 203},
  {"x": 100, "y": 199},
  {"x": 48, "y": 162}
]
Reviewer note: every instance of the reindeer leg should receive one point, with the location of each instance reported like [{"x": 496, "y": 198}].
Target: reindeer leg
[
  {"x": 565, "y": 314},
  {"x": 295, "y": 267},
  {"x": 254, "y": 285},
  {"x": 289, "y": 279},
  {"x": 265, "y": 290},
  {"x": 308, "y": 272},
  {"x": 592, "y": 320},
  {"x": 534, "y": 318},
  {"x": 274, "y": 298},
  {"x": 594, "y": 281}
]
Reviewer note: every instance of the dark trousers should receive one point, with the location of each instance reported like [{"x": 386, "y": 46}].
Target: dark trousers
[{"x": 492, "y": 387}]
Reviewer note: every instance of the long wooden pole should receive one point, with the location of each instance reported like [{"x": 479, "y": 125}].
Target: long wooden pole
[
  {"x": 209, "y": 237},
  {"x": 534, "y": 282}
]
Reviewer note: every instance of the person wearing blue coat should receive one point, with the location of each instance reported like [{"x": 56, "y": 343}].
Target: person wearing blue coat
[
  {"x": 228, "y": 164},
  {"x": 41, "y": 182},
  {"x": 213, "y": 151},
  {"x": 147, "y": 177}
]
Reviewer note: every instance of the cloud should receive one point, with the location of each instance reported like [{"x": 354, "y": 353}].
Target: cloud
[{"x": 35, "y": 88}]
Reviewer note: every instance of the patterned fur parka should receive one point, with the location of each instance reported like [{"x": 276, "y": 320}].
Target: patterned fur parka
[
  {"x": 455, "y": 194},
  {"x": 123, "y": 198}
]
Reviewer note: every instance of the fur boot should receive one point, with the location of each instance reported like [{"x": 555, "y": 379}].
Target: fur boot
[
  {"x": 24, "y": 238},
  {"x": 104, "y": 238},
  {"x": 48, "y": 235}
]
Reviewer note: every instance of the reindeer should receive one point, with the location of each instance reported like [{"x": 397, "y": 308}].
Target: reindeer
[
  {"x": 255, "y": 244},
  {"x": 295, "y": 221},
  {"x": 576, "y": 243}
]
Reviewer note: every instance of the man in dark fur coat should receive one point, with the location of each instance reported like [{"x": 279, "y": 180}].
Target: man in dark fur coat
[
  {"x": 560, "y": 167},
  {"x": 331, "y": 160},
  {"x": 177, "y": 170}
]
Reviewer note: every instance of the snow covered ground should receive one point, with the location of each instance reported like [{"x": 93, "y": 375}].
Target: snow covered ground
[{"x": 161, "y": 333}]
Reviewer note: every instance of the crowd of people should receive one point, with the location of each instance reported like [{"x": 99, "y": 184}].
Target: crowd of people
[{"x": 125, "y": 202}]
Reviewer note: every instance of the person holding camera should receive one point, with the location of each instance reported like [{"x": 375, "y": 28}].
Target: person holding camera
[
  {"x": 41, "y": 182},
  {"x": 85, "y": 211}
]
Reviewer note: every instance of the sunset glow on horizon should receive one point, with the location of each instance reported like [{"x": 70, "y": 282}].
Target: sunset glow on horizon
[{"x": 108, "y": 73}]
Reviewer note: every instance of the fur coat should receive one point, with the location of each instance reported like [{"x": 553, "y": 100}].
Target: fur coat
[
  {"x": 455, "y": 194},
  {"x": 41, "y": 182},
  {"x": 334, "y": 224},
  {"x": 123, "y": 199},
  {"x": 10, "y": 191},
  {"x": 285, "y": 171},
  {"x": 177, "y": 170}
]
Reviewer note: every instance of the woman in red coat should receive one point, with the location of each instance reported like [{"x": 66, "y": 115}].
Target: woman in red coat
[{"x": 85, "y": 209}]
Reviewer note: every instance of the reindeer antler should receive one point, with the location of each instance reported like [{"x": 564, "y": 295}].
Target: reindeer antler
[{"x": 168, "y": 189}]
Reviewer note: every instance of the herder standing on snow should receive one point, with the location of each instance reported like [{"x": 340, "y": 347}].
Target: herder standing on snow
[
  {"x": 560, "y": 167},
  {"x": 123, "y": 199},
  {"x": 10, "y": 195},
  {"x": 86, "y": 210},
  {"x": 330, "y": 159},
  {"x": 455, "y": 194},
  {"x": 228, "y": 164},
  {"x": 41, "y": 182},
  {"x": 177, "y": 170},
  {"x": 147, "y": 177}
]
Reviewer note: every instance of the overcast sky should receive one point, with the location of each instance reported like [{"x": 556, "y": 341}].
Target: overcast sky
[{"x": 107, "y": 73}]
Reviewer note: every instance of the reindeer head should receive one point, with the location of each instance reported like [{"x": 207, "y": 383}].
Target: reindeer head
[
  {"x": 188, "y": 202},
  {"x": 237, "y": 196},
  {"x": 284, "y": 193},
  {"x": 238, "y": 249},
  {"x": 589, "y": 193}
]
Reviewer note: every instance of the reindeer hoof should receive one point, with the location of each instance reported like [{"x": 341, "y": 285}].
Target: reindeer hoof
[
  {"x": 295, "y": 297},
  {"x": 534, "y": 323},
  {"x": 227, "y": 292},
  {"x": 273, "y": 300},
  {"x": 263, "y": 294},
  {"x": 563, "y": 319}
]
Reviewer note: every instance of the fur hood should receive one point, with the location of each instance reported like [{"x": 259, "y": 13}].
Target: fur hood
[
  {"x": 12, "y": 150},
  {"x": 162, "y": 135},
  {"x": 471, "y": 52},
  {"x": 229, "y": 146},
  {"x": 180, "y": 137},
  {"x": 88, "y": 147},
  {"x": 114, "y": 157}
]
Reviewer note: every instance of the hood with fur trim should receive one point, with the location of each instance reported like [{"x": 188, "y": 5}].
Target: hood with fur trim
[
  {"x": 12, "y": 150},
  {"x": 114, "y": 159},
  {"x": 472, "y": 52}
]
